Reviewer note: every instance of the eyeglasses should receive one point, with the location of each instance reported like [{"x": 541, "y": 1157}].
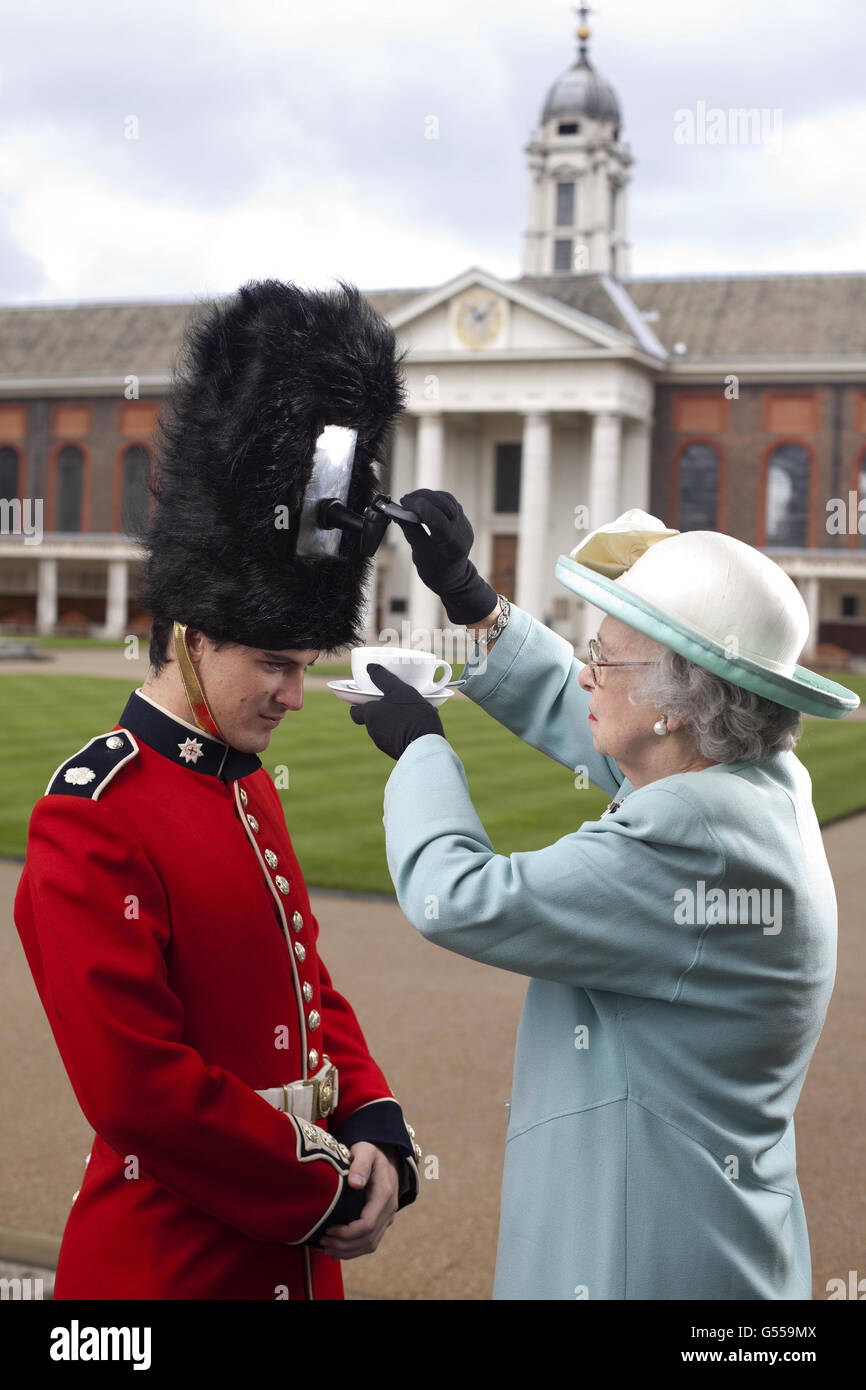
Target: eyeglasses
[{"x": 595, "y": 661}]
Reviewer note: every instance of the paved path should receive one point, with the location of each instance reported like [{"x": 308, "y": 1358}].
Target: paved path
[{"x": 443, "y": 1029}]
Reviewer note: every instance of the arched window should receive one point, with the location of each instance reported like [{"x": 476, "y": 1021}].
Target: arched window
[
  {"x": 698, "y": 494},
  {"x": 8, "y": 472},
  {"x": 787, "y": 506},
  {"x": 70, "y": 488},
  {"x": 133, "y": 507}
]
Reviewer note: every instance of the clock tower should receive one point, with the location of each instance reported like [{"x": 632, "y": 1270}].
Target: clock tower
[{"x": 578, "y": 172}]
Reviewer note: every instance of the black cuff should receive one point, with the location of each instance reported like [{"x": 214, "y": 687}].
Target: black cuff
[
  {"x": 349, "y": 1207},
  {"x": 472, "y": 601},
  {"x": 382, "y": 1123}
]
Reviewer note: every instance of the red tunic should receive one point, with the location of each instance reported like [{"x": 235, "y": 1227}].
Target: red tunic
[{"x": 168, "y": 928}]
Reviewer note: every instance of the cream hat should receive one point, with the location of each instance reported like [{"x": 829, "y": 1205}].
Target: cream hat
[{"x": 717, "y": 601}]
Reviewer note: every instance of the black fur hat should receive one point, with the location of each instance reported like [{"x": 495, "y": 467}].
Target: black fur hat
[{"x": 260, "y": 376}]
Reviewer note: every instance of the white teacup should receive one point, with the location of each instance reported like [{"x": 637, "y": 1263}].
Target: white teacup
[{"x": 415, "y": 668}]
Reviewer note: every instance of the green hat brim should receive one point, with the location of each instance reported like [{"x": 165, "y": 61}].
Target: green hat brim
[{"x": 805, "y": 690}]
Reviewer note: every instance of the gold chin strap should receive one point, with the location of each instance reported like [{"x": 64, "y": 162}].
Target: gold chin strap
[{"x": 201, "y": 712}]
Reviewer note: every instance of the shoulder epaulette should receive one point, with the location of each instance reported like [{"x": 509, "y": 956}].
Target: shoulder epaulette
[{"x": 89, "y": 770}]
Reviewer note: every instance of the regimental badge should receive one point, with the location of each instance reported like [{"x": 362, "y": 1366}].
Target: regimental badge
[
  {"x": 79, "y": 776},
  {"x": 191, "y": 750}
]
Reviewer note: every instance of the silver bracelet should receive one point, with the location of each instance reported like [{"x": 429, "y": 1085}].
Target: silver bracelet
[{"x": 501, "y": 622}]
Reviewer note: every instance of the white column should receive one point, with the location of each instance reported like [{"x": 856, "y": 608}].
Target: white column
[
  {"x": 811, "y": 589},
  {"x": 621, "y": 247},
  {"x": 604, "y": 469},
  {"x": 635, "y": 479},
  {"x": 533, "y": 541},
  {"x": 604, "y": 503},
  {"x": 116, "y": 609},
  {"x": 46, "y": 596},
  {"x": 425, "y": 607},
  {"x": 533, "y": 238},
  {"x": 599, "y": 239}
]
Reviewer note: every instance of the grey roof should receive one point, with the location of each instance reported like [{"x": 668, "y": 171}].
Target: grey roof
[
  {"x": 581, "y": 91},
  {"x": 584, "y": 292},
  {"x": 111, "y": 339},
  {"x": 718, "y": 317},
  {"x": 778, "y": 316},
  {"x": 90, "y": 339},
  {"x": 724, "y": 316}
]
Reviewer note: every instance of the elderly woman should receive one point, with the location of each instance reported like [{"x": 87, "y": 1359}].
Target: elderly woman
[{"x": 680, "y": 949}]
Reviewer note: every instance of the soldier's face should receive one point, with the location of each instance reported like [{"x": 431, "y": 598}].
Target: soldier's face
[{"x": 250, "y": 690}]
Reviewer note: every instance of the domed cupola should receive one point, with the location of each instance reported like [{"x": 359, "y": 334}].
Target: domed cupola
[
  {"x": 578, "y": 169},
  {"x": 581, "y": 91}
]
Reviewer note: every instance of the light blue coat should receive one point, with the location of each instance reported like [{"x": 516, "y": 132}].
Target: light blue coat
[{"x": 650, "y": 1144}]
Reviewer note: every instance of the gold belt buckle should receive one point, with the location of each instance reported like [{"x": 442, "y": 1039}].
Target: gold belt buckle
[{"x": 324, "y": 1089}]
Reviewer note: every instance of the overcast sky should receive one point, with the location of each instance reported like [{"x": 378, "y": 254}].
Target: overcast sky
[{"x": 288, "y": 139}]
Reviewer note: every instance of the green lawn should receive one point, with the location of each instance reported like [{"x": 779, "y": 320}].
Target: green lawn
[{"x": 333, "y": 803}]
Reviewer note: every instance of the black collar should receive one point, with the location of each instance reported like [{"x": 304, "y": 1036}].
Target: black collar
[{"x": 183, "y": 743}]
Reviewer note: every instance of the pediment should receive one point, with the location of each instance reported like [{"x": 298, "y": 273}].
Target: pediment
[{"x": 478, "y": 312}]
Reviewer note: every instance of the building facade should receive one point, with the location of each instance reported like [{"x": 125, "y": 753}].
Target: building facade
[{"x": 547, "y": 404}]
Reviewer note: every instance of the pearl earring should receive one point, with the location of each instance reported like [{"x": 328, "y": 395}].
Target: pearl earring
[{"x": 661, "y": 725}]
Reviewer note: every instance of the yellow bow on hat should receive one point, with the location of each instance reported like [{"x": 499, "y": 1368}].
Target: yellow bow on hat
[{"x": 612, "y": 549}]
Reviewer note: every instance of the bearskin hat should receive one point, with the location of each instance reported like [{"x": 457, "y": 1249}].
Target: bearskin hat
[{"x": 259, "y": 377}]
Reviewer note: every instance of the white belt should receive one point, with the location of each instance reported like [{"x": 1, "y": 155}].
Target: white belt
[{"x": 307, "y": 1100}]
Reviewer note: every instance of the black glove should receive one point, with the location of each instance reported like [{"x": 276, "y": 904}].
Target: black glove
[
  {"x": 400, "y": 716},
  {"x": 442, "y": 558}
]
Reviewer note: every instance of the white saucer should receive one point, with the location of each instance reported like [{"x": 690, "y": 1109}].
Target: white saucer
[{"x": 349, "y": 691}]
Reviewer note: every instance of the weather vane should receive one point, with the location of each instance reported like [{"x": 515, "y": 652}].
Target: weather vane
[{"x": 582, "y": 11}]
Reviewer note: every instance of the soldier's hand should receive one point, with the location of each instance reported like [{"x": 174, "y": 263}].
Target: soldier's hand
[{"x": 378, "y": 1170}]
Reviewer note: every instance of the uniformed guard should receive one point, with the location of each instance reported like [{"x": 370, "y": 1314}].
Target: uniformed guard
[{"x": 244, "y": 1134}]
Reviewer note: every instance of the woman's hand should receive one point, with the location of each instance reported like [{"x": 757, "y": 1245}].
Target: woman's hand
[
  {"x": 442, "y": 558},
  {"x": 399, "y": 717}
]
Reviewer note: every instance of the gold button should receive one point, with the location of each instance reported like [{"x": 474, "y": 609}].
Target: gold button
[
  {"x": 297, "y": 919},
  {"x": 308, "y": 992},
  {"x": 282, "y": 883},
  {"x": 253, "y": 822},
  {"x": 114, "y": 742},
  {"x": 417, "y": 1148},
  {"x": 313, "y": 1018},
  {"x": 314, "y": 1059},
  {"x": 271, "y": 859},
  {"x": 243, "y": 797},
  {"x": 300, "y": 950}
]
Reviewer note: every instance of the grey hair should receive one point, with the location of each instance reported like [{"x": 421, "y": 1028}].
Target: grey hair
[{"x": 728, "y": 724}]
